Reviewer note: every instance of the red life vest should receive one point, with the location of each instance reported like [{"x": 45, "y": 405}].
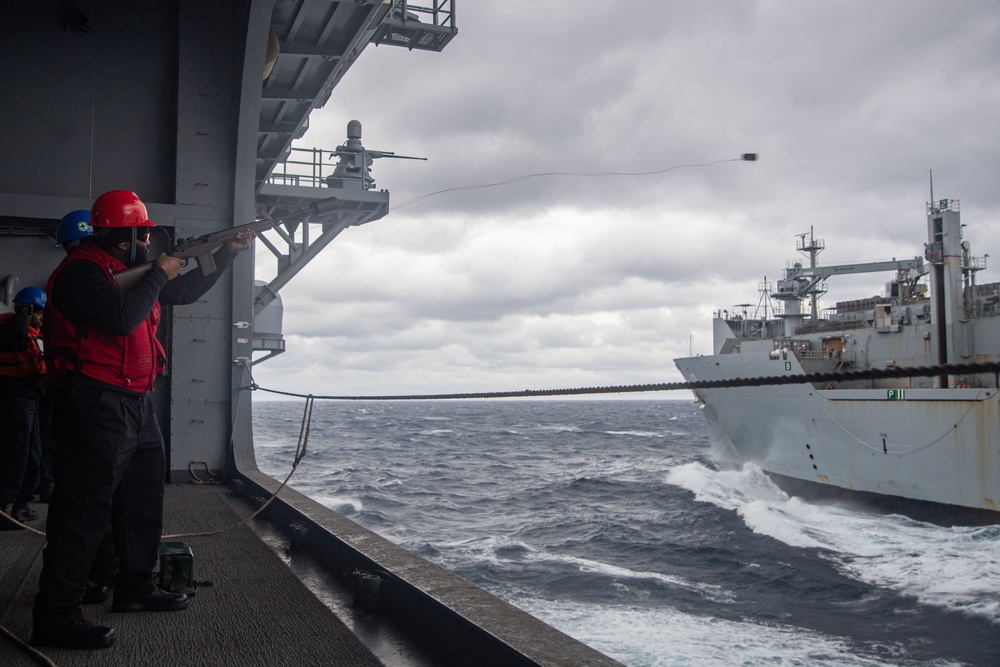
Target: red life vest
[
  {"x": 131, "y": 362},
  {"x": 23, "y": 362}
]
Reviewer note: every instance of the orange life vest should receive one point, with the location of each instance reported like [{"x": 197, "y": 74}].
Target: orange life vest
[{"x": 23, "y": 362}]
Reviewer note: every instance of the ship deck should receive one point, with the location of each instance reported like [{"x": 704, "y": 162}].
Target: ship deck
[{"x": 255, "y": 611}]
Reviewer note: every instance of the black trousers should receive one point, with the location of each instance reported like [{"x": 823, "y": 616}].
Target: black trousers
[
  {"x": 109, "y": 465},
  {"x": 20, "y": 449}
]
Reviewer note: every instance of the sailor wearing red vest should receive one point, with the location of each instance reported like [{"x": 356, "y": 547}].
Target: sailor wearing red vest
[
  {"x": 102, "y": 356},
  {"x": 21, "y": 392}
]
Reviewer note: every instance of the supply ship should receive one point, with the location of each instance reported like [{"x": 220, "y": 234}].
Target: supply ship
[
  {"x": 926, "y": 444},
  {"x": 195, "y": 106}
]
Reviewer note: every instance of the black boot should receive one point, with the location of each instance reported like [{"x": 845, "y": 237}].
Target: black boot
[
  {"x": 23, "y": 513},
  {"x": 158, "y": 600},
  {"x": 7, "y": 523},
  {"x": 72, "y": 633}
]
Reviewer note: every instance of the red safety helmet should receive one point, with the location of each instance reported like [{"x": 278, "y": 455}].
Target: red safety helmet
[{"x": 119, "y": 208}]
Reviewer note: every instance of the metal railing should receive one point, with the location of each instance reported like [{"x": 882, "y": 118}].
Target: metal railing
[
  {"x": 304, "y": 167},
  {"x": 428, "y": 28},
  {"x": 441, "y": 12}
]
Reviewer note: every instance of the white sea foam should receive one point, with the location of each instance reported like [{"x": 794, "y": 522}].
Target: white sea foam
[
  {"x": 559, "y": 428},
  {"x": 341, "y": 504},
  {"x": 714, "y": 593},
  {"x": 665, "y": 636},
  {"x": 956, "y": 568},
  {"x": 503, "y": 551},
  {"x": 729, "y": 488},
  {"x": 637, "y": 434},
  {"x": 438, "y": 431}
]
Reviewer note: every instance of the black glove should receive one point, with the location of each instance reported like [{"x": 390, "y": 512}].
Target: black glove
[{"x": 24, "y": 309}]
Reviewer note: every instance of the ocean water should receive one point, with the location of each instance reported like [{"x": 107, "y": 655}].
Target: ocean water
[{"x": 609, "y": 521}]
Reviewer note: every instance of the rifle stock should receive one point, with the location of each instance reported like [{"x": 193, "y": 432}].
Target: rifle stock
[
  {"x": 127, "y": 279},
  {"x": 202, "y": 247}
]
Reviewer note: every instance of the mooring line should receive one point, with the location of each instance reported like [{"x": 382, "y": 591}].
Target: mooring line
[{"x": 791, "y": 378}]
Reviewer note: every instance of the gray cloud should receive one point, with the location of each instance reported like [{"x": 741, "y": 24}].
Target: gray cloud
[{"x": 557, "y": 280}]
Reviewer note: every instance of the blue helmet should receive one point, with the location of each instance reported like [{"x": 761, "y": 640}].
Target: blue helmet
[
  {"x": 33, "y": 295},
  {"x": 73, "y": 226}
]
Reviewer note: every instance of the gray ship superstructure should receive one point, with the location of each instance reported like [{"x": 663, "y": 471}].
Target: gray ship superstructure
[{"x": 933, "y": 439}]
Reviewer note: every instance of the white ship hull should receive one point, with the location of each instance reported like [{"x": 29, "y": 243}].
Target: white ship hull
[{"x": 936, "y": 445}]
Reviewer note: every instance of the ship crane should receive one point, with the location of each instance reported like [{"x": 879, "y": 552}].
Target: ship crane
[
  {"x": 913, "y": 267},
  {"x": 800, "y": 282}
]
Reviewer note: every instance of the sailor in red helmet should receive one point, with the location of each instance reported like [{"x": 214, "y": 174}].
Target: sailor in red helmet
[{"x": 103, "y": 355}]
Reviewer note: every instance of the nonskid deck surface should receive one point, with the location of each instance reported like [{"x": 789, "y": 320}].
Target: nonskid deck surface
[{"x": 256, "y": 612}]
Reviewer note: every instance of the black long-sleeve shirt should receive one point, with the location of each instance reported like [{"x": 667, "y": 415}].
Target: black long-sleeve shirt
[{"x": 85, "y": 296}]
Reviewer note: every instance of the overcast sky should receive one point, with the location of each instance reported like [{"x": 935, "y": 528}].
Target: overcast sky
[{"x": 567, "y": 281}]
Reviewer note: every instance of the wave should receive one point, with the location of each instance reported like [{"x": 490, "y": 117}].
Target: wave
[
  {"x": 955, "y": 568},
  {"x": 341, "y": 504},
  {"x": 665, "y": 636},
  {"x": 558, "y": 428},
  {"x": 504, "y": 552}
]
